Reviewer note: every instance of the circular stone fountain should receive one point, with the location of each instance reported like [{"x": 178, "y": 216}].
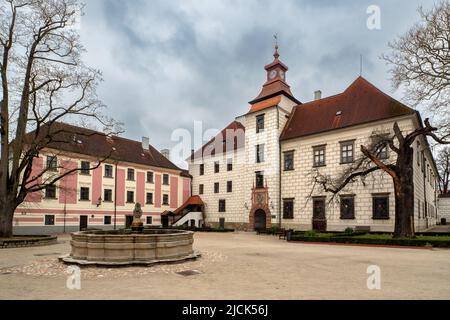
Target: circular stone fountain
[
  {"x": 127, "y": 248},
  {"x": 137, "y": 246}
]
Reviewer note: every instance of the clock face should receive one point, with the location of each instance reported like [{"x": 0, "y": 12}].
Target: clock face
[
  {"x": 273, "y": 74},
  {"x": 282, "y": 75}
]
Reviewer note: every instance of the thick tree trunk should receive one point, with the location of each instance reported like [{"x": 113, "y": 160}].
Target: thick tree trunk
[
  {"x": 404, "y": 195},
  {"x": 6, "y": 220}
]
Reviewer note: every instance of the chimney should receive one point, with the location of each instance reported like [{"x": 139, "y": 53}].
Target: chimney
[
  {"x": 145, "y": 143},
  {"x": 166, "y": 153},
  {"x": 317, "y": 95}
]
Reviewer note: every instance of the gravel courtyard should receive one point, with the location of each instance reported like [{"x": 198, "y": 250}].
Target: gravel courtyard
[{"x": 236, "y": 266}]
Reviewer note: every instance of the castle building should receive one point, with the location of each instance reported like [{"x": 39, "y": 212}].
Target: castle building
[
  {"x": 257, "y": 172},
  {"x": 98, "y": 196}
]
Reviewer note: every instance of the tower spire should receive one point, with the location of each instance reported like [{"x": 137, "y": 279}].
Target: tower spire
[{"x": 276, "y": 55}]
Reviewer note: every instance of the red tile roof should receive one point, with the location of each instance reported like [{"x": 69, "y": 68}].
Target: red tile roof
[
  {"x": 193, "y": 200},
  {"x": 84, "y": 141},
  {"x": 360, "y": 103},
  {"x": 265, "y": 104},
  {"x": 237, "y": 132},
  {"x": 272, "y": 89}
]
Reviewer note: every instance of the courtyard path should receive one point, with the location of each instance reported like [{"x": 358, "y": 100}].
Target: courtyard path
[{"x": 236, "y": 266}]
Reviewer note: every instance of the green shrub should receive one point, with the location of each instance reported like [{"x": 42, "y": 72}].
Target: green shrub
[
  {"x": 348, "y": 231},
  {"x": 310, "y": 233}
]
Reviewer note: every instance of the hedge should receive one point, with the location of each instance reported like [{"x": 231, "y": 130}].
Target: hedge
[{"x": 444, "y": 242}]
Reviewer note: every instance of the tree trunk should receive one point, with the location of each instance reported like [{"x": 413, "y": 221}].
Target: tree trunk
[
  {"x": 404, "y": 196},
  {"x": 6, "y": 220}
]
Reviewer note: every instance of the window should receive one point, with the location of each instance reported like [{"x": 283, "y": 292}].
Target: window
[
  {"x": 149, "y": 220},
  {"x": 165, "y": 179},
  {"x": 347, "y": 148},
  {"x": 229, "y": 186},
  {"x": 259, "y": 153},
  {"x": 260, "y": 123},
  {"x": 288, "y": 208},
  {"x": 202, "y": 169},
  {"x": 107, "y": 195},
  {"x": 130, "y": 174},
  {"x": 259, "y": 179},
  {"x": 107, "y": 220},
  {"x": 201, "y": 189},
  {"x": 230, "y": 164},
  {"x": 348, "y": 207},
  {"x": 150, "y": 177},
  {"x": 49, "y": 220},
  {"x": 289, "y": 161},
  {"x": 52, "y": 163},
  {"x": 84, "y": 194},
  {"x": 383, "y": 151},
  {"x": 216, "y": 187},
  {"x": 222, "y": 206},
  {"x": 216, "y": 167},
  {"x": 149, "y": 198},
  {"x": 380, "y": 207},
  {"x": 165, "y": 199},
  {"x": 130, "y": 196},
  {"x": 418, "y": 153},
  {"x": 50, "y": 191},
  {"x": 85, "y": 167},
  {"x": 319, "y": 156},
  {"x": 423, "y": 163},
  {"x": 108, "y": 171}
]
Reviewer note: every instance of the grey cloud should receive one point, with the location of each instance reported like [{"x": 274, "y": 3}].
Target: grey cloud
[{"x": 168, "y": 63}]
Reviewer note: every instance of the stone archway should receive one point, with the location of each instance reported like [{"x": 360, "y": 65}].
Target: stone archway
[{"x": 260, "y": 220}]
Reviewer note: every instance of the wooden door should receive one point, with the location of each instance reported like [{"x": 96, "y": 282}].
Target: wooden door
[
  {"x": 83, "y": 223},
  {"x": 319, "y": 215}
]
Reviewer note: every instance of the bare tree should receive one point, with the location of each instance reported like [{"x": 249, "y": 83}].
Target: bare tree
[
  {"x": 44, "y": 81},
  {"x": 443, "y": 165},
  {"x": 420, "y": 63},
  {"x": 400, "y": 169}
]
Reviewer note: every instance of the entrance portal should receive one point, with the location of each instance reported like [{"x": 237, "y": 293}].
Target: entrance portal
[
  {"x": 319, "y": 216},
  {"x": 260, "y": 219}
]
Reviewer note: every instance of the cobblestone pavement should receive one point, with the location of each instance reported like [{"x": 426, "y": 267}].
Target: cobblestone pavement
[{"x": 236, "y": 266}]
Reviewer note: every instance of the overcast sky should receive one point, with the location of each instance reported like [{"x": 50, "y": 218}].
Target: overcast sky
[{"x": 167, "y": 64}]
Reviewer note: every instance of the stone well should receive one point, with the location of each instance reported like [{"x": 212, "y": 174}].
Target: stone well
[{"x": 127, "y": 248}]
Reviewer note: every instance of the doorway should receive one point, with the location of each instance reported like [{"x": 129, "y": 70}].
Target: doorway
[
  {"x": 83, "y": 223},
  {"x": 128, "y": 221},
  {"x": 319, "y": 222},
  {"x": 260, "y": 220}
]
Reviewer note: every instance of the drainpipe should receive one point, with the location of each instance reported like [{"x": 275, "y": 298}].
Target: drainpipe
[
  {"x": 115, "y": 197},
  {"x": 279, "y": 169}
]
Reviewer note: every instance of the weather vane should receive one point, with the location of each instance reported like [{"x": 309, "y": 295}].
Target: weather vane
[{"x": 275, "y": 36}]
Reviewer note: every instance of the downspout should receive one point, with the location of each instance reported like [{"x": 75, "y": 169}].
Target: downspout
[
  {"x": 279, "y": 168},
  {"x": 115, "y": 197}
]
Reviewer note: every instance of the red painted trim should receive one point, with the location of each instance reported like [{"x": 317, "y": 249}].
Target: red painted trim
[
  {"x": 157, "y": 191},
  {"x": 173, "y": 192},
  {"x": 186, "y": 189},
  {"x": 38, "y": 166},
  {"x": 97, "y": 177},
  {"x": 120, "y": 187},
  {"x": 140, "y": 188}
]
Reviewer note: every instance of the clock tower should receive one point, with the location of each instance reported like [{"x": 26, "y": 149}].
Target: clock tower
[{"x": 276, "y": 81}]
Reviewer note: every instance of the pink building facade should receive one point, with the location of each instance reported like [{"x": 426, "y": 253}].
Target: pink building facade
[{"x": 102, "y": 197}]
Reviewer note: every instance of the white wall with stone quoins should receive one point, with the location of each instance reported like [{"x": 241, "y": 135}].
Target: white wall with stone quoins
[
  {"x": 298, "y": 184},
  {"x": 234, "y": 200}
]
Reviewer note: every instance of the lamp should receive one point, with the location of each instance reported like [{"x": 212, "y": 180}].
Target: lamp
[
  {"x": 99, "y": 202},
  {"x": 246, "y": 205}
]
